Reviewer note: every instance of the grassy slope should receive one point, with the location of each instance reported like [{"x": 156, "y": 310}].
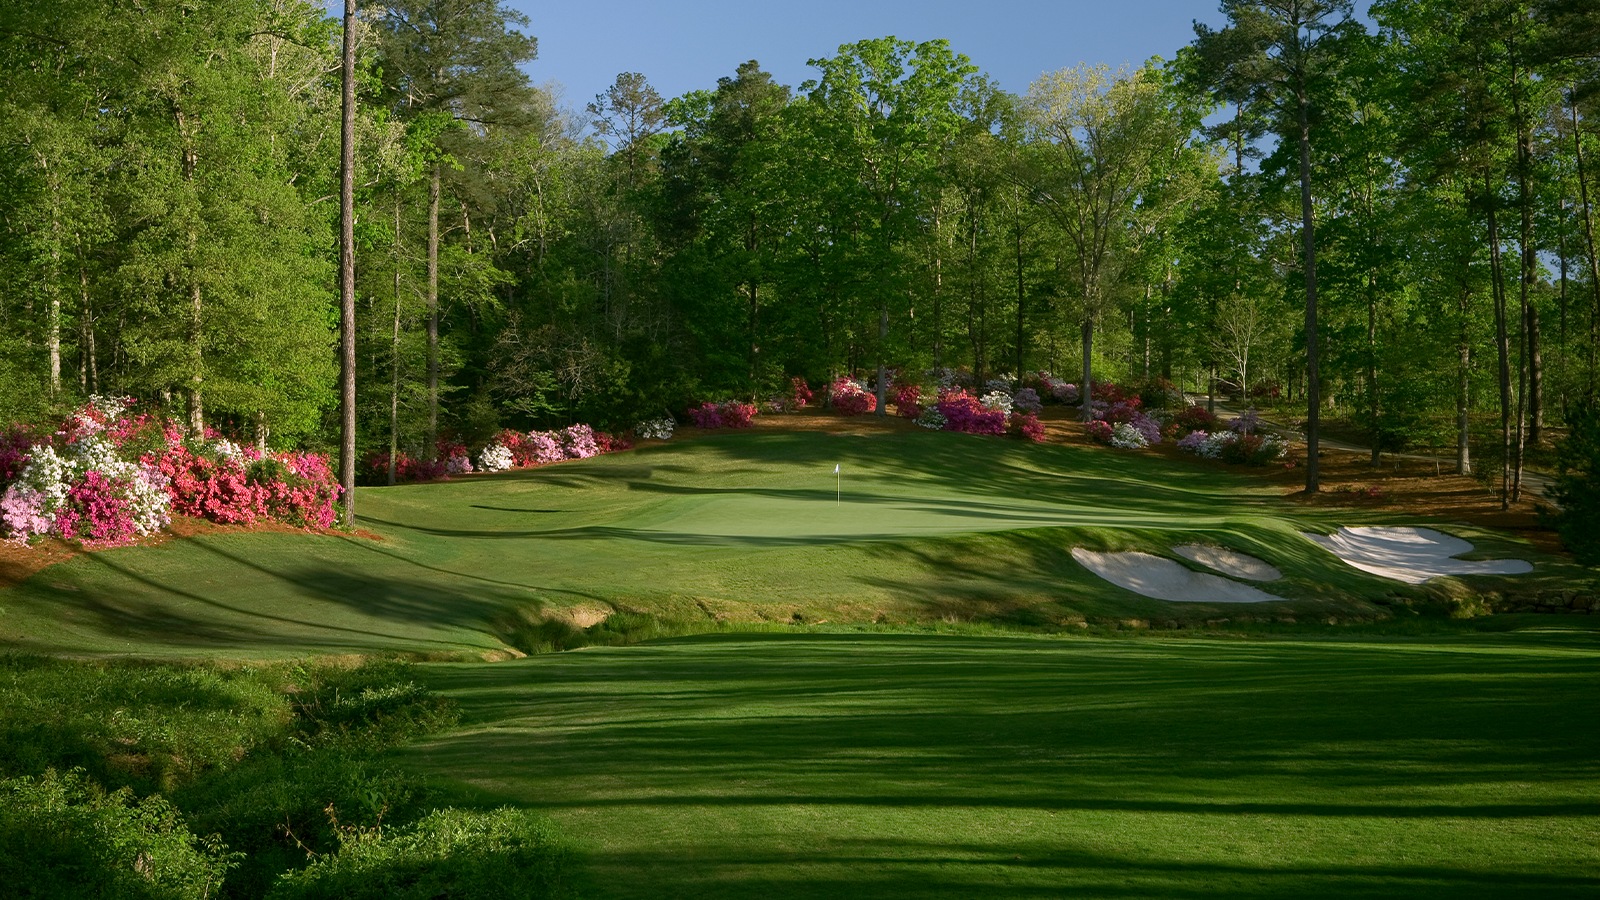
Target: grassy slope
[
  {"x": 742, "y": 527},
  {"x": 943, "y": 766}
]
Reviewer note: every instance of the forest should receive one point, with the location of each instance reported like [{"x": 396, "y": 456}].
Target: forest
[{"x": 1389, "y": 225}]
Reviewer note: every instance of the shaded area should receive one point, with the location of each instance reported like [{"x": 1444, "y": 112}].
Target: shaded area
[{"x": 941, "y": 766}]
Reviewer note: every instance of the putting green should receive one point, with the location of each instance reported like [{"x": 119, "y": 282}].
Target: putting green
[
  {"x": 731, "y": 528},
  {"x": 940, "y": 766}
]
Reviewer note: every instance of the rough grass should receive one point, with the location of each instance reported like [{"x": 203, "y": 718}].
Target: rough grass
[
  {"x": 718, "y": 532},
  {"x": 934, "y": 766}
]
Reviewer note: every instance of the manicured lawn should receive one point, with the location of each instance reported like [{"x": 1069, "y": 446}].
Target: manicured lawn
[
  {"x": 736, "y": 528},
  {"x": 904, "y": 765}
]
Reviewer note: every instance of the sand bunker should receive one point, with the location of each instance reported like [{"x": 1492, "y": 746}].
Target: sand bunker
[
  {"x": 1412, "y": 555},
  {"x": 1164, "y": 579},
  {"x": 1229, "y": 562}
]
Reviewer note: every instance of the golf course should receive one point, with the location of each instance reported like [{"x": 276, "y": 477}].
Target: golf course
[{"x": 896, "y": 679}]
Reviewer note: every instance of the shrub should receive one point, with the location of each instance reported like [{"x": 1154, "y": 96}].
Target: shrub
[
  {"x": 728, "y": 414},
  {"x": 655, "y": 429},
  {"x": 997, "y": 400},
  {"x": 1026, "y": 425},
  {"x": 63, "y": 837},
  {"x": 15, "y": 442},
  {"x": 1127, "y": 437},
  {"x": 1066, "y": 393},
  {"x": 1249, "y": 423},
  {"x": 931, "y": 418},
  {"x": 1099, "y": 430},
  {"x": 850, "y": 398},
  {"x": 506, "y": 853},
  {"x": 801, "y": 395},
  {"x": 1027, "y": 400},
  {"x": 1192, "y": 419},
  {"x": 962, "y": 412},
  {"x": 610, "y": 443},
  {"x": 577, "y": 442},
  {"x": 1577, "y": 485},
  {"x": 1234, "y": 447},
  {"x": 907, "y": 400},
  {"x": 495, "y": 458}
]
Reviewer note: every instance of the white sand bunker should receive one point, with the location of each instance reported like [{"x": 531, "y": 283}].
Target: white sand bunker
[
  {"x": 1163, "y": 579},
  {"x": 1412, "y": 555},
  {"x": 1229, "y": 562}
]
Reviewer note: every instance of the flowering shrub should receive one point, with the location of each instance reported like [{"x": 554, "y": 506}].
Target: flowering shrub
[
  {"x": 728, "y": 414},
  {"x": 87, "y": 491},
  {"x": 543, "y": 448},
  {"x": 852, "y": 399},
  {"x": 1234, "y": 447},
  {"x": 1066, "y": 393},
  {"x": 931, "y": 418},
  {"x": 15, "y": 443},
  {"x": 1192, "y": 419},
  {"x": 1027, "y": 400},
  {"x": 1000, "y": 385},
  {"x": 997, "y": 400},
  {"x": 577, "y": 441},
  {"x": 495, "y": 458},
  {"x": 1026, "y": 425},
  {"x": 610, "y": 443},
  {"x": 946, "y": 378},
  {"x": 802, "y": 395},
  {"x": 1127, "y": 412},
  {"x": 907, "y": 400},
  {"x": 1099, "y": 430},
  {"x": 455, "y": 458},
  {"x": 655, "y": 429},
  {"x": 1125, "y": 436},
  {"x": 1249, "y": 423},
  {"x": 962, "y": 412}
]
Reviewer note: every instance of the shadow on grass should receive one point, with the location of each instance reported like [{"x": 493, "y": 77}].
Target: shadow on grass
[{"x": 734, "y": 751}]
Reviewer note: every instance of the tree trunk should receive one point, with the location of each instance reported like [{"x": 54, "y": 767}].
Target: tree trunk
[
  {"x": 1372, "y": 365},
  {"x": 347, "y": 270},
  {"x": 1594, "y": 260},
  {"x": 1021, "y": 296},
  {"x": 433, "y": 315},
  {"x": 1527, "y": 341},
  {"x": 1086, "y": 396},
  {"x": 1313, "y": 389},
  {"x": 1502, "y": 344},
  {"x": 394, "y": 355}
]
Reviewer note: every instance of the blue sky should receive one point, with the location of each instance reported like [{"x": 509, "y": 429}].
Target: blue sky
[{"x": 688, "y": 44}]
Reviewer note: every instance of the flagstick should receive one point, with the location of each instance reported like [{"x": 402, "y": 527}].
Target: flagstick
[{"x": 838, "y": 487}]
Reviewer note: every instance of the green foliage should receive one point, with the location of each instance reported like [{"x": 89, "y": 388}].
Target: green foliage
[
  {"x": 1577, "y": 485},
  {"x": 450, "y": 854},
  {"x": 64, "y": 838},
  {"x": 132, "y": 724}
]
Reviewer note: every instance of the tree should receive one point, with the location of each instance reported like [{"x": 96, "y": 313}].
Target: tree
[
  {"x": 457, "y": 58},
  {"x": 347, "y": 266},
  {"x": 1282, "y": 54},
  {"x": 883, "y": 110},
  {"x": 1102, "y": 136}
]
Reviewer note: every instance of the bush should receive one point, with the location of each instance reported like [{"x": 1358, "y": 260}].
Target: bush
[
  {"x": 908, "y": 400},
  {"x": 655, "y": 429},
  {"x": 962, "y": 412},
  {"x": 450, "y": 853},
  {"x": 851, "y": 399},
  {"x": 62, "y": 837},
  {"x": 727, "y": 414},
  {"x": 998, "y": 400},
  {"x": 1026, "y": 425},
  {"x": 1192, "y": 419},
  {"x": 1577, "y": 486},
  {"x": 801, "y": 396},
  {"x": 1027, "y": 400}
]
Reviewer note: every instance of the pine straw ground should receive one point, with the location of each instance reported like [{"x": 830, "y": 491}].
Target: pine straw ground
[{"x": 1409, "y": 486}]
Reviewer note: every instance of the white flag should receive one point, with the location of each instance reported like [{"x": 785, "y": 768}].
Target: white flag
[{"x": 835, "y": 468}]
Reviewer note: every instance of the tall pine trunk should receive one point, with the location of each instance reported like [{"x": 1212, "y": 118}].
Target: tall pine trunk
[
  {"x": 1502, "y": 342},
  {"x": 347, "y": 269},
  {"x": 1308, "y": 233},
  {"x": 433, "y": 315}
]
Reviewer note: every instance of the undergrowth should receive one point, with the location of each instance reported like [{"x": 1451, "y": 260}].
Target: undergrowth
[{"x": 142, "y": 780}]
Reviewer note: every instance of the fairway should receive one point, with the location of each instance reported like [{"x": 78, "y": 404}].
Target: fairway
[
  {"x": 941, "y": 766},
  {"x": 721, "y": 530}
]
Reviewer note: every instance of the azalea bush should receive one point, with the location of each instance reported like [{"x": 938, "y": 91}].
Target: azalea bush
[
  {"x": 1192, "y": 419},
  {"x": 997, "y": 400},
  {"x": 1122, "y": 422},
  {"x": 1027, "y": 400},
  {"x": 111, "y": 474},
  {"x": 963, "y": 412},
  {"x": 1026, "y": 425},
  {"x": 908, "y": 400},
  {"x": 496, "y": 457},
  {"x": 801, "y": 395},
  {"x": 931, "y": 418},
  {"x": 727, "y": 414},
  {"x": 851, "y": 398},
  {"x": 1237, "y": 447},
  {"x": 655, "y": 429}
]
